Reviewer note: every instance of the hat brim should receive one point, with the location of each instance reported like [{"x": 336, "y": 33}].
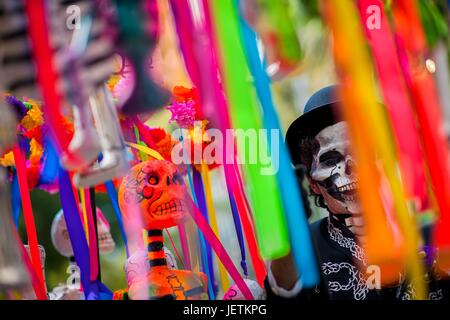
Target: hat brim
[{"x": 309, "y": 125}]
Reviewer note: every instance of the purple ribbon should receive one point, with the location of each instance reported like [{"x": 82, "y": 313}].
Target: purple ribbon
[
  {"x": 93, "y": 290},
  {"x": 201, "y": 202},
  {"x": 239, "y": 234}
]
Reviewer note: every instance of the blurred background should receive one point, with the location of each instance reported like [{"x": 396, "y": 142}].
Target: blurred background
[{"x": 317, "y": 70}]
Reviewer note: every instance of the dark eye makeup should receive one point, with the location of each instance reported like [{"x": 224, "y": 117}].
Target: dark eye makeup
[
  {"x": 153, "y": 179},
  {"x": 331, "y": 158}
]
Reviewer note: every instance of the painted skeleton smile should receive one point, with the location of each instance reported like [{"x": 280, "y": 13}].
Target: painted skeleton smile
[
  {"x": 334, "y": 169},
  {"x": 348, "y": 192},
  {"x": 171, "y": 206},
  {"x": 348, "y": 187}
]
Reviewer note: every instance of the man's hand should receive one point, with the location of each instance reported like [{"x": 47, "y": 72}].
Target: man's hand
[{"x": 285, "y": 272}]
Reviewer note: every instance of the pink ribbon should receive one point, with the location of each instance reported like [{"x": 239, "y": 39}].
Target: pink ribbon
[
  {"x": 218, "y": 248},
  {"x": 398, "y": 102}
]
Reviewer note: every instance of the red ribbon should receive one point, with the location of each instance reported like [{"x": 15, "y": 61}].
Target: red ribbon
[
  {"x": 29, "y": 222},
  {"x": 412, "y": 46},
  {"x": 46, "y": 73},
  {"x": 398, "y": 102},
  {"x": 218, "y": 248}
]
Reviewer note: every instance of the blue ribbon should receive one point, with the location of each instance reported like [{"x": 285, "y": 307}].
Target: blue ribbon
[
  {"x": 200, "y": 193},
  {"x": 16, "y": 200},
  {"x": 299, "y": 233},
  {"x": 239, "y": 234},
  {"x": 51, "y": 163},
  {"x": 111, "y": 190},
  {"x": 93, "y": 290},
  {"x": 202, "y": 241}
]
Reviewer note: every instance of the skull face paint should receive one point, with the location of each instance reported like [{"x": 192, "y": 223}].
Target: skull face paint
[
  {"x": 333, "y": 170},
  {"x": 159, "y": 190}
]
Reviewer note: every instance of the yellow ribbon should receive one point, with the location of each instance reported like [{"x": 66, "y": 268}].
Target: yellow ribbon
[
  {"x": 151, "y": 152},
  {"x": 193, "y": 244},
  {"x": 213, "y": 220},
  {"x": 85, "y": 220},
  {"x": 371, "y": 137}
]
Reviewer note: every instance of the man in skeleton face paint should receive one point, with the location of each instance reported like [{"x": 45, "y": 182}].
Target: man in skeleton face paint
[
  {"x": 332, "y": 173},
  {"x": 321, "y": 151}
]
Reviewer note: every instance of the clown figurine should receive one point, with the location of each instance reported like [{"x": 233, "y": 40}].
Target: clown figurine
[{"x": 158, "y": 190}]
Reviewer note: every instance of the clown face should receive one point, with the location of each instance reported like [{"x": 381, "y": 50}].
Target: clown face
[
  {"x": 158, "y": 189},
  {"x": 333, "y": 170}
]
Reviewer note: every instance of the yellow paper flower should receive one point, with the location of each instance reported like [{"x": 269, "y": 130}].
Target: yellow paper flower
[
  {"x": 7, "y": 160},
  {"x": 34, "y": 117},
  {"x": 36, "y": 151}
]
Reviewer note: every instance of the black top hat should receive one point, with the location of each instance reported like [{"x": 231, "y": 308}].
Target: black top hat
[{"x": 320, "y": 112}]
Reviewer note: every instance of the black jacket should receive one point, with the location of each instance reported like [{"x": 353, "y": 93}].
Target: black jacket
[{"x": 341, "y": 279}]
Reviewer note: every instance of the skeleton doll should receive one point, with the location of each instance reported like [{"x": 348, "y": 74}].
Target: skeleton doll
[
  {"x": 61, "y": 241},
  {"x": 158, "y": 190}
]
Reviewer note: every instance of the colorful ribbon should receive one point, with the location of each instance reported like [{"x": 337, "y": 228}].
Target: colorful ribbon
[
  {"x": 29, "y": 221},
  {"x": 202, "y": 66},
  {"x": 84, "y": 214},
  {"x": 268, "y": 214},
  {"x": 153, "y": 153},
  {"x": 93, "y": 290},
  {"x": 16, "y": 201},
  {"x": 92, "y": 236},
  {"x": 200, "y": 196},
  {"x": 302, "y": 247},
  {"x": 49, "y": 171},
  {"x": 184, "y": 246},
  {"x": 234, "y": 183},
  {"x": 412, "y": 51},
  {"x": 212, "y": 219},
  {"x": 238, "y": 228},
  {"x": 197, "y": 54},
  {"x": 193, "y": 243},
  {"x": 398, "y": 102},
  {"x": 112, "y": 194},
  {"x": 219, "y": 249},
  {"x": 35, "y": 282},
  {"x": 46, "y": 73},
  {"x": 204, "y": 254},
  {"x": 372, "y": 141}
]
